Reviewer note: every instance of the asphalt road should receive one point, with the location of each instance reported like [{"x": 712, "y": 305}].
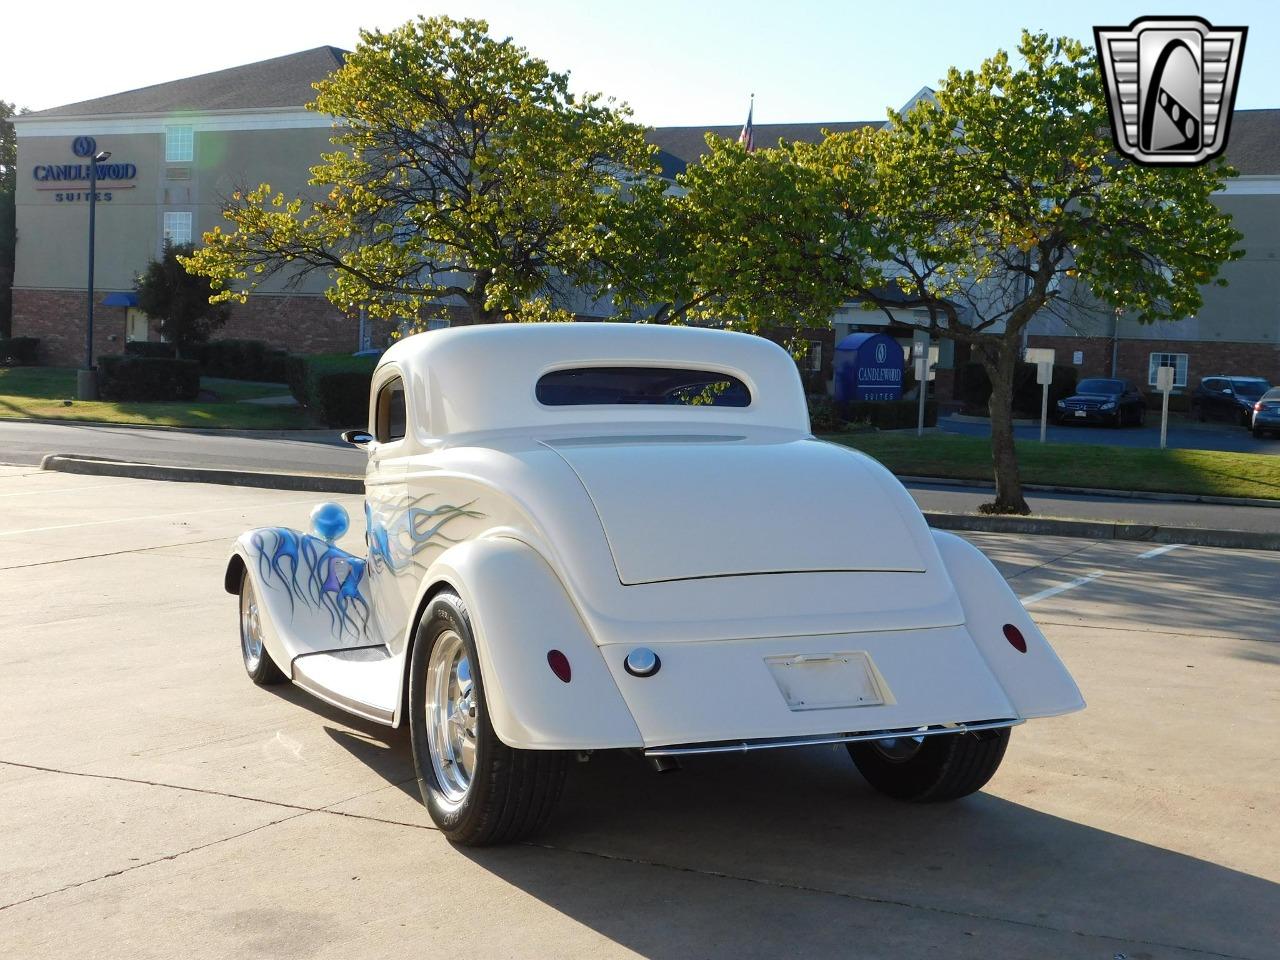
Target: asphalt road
[
  {"x": 1182, "y": 435},
  {"x": 320, "y": 451},
  {"x": 156, "y": 804}
]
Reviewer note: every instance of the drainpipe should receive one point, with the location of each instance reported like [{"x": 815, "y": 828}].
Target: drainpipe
[{"x": 1115, "y": 340}]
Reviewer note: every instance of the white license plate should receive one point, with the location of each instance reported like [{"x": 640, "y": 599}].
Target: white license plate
[
  {"x": 826, "y": 681},
  {"x": 1080, "y": 413}
]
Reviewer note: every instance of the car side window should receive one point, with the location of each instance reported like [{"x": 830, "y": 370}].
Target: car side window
[
  {"x": 391, "y": 417},
  {"x": 1212, "y": 384}
]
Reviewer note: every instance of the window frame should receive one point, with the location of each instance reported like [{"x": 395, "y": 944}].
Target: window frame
[
  {"x": 1180, "y": 365},
  {"x": 382, "y": 424},
  {"x": 179, "y": 143},
  {"x": 165, "y": 237}
]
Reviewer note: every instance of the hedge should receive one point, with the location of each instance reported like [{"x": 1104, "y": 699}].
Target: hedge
[
  {"x": 148, "y": 378},
  {"x": 19, "y": 351},
  {"x": 890, "y": 414},
  {"x": 149, "y": 348},
  {"x": 242, "y": 360},
  {"x": 975, "y": 388},
  {"x": 1178, "y": 402},
  {"x": 340, "y": 398}
]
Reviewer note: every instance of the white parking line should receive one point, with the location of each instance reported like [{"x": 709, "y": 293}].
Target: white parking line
[
  {"x": 1159, "y": 550},
  {"x": 1061, "y": 588}
]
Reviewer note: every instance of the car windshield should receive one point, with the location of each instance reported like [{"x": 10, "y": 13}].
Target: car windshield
[
  {"x": 644, "y": 385},
  {"x": 1100, "y": 386},
  {"x": 1250, "y": 388}
]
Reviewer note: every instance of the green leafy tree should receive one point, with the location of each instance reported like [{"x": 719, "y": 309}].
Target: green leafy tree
[
  {"x": 465, "y": 171},
  {"x": 179, "y": 300},
  {"x": 8, "y": 211},
  {"x": 1002, "y": 200}
]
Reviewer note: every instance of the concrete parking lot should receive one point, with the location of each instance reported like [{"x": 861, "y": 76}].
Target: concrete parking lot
[{"x": 156, "y": 804}]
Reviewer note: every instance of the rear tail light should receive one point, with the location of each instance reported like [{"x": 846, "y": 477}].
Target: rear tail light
[
  {"x": 1015, "y": 638},
  {"x": 559, "y": 665},
  {"x": 1259, "y": 405}
]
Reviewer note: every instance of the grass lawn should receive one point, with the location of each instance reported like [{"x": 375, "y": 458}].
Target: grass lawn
[
  {"x": 1202, "y": 472},
  {"x": 42, "y": 393}
]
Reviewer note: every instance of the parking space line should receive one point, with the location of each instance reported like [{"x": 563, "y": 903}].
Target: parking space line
[
  {"x": 1160, "y": 550},
  {"x": 1061, "y": 588}
]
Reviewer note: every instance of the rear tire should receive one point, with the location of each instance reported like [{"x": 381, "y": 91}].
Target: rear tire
[
  {"x": 478, "y": 790},
  {"x": 932, "y": 769},
  {"x": 258, "y": 664}
]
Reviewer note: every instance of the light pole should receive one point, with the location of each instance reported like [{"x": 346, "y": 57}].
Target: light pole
[{"x": 87, "y": 378}]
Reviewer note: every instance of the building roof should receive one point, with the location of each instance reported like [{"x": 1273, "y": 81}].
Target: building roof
[
  {"x": 279, "y": 82},
  {"x": 688, "y": 144},
  {"x": 1253, "y": 142}
]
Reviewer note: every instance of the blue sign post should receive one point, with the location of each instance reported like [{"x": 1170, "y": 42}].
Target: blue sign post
[{"x": 868, "y": 366}]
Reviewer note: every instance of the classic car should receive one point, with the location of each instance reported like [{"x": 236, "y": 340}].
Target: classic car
[{"x": 606, "y": 536}]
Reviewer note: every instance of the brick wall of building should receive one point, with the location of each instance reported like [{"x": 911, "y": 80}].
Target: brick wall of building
[{"x": 1133, "y": 357}]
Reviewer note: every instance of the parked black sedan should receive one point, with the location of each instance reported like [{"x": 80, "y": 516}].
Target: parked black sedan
[
  {"x": 1227, "y": 398},
  {"x": 1113, "y": 403}
]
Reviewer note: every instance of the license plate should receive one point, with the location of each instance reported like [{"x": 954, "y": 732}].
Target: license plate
[
  {"x": 827, "y": 681},
  {"x": 1080, "y": 413}
]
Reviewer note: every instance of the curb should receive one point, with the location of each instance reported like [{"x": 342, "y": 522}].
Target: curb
[
  {"x": 1106, "y": 530},
  {"x": 310, "y": 482},
  {"x": 1098, "y": 492},
  {"x": 974, "y": 523}
]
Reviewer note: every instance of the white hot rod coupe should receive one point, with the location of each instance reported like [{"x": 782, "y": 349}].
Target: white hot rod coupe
[{"x": 605, "y": 536}]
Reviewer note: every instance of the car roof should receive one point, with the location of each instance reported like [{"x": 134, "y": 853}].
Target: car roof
[{"x": 483, "y": 377}]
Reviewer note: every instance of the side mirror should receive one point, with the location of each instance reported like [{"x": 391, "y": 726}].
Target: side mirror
[
  {"x": 357, "y": 438},
  {"x": 1228, "y": 391}
]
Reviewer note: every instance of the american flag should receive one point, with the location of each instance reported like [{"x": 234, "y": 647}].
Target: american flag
[{"x": 748, "y": 136}]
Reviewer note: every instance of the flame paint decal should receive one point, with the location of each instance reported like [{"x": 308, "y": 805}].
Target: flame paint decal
[
  {"x": 315, "y": 574},
  {"x": 398, "y": 535}
]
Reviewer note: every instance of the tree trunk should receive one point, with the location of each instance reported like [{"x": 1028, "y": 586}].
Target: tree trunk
[{"x": 1000, "y": 369}]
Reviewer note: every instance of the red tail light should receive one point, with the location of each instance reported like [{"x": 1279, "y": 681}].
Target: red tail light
[
  {"x": 1259, "y": 405},
  {"x": 1015, "y": 638},
  {"x": 559, "y": 665}
]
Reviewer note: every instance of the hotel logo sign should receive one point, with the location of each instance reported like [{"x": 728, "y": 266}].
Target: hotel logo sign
[
  {"x": 69, "y": 181},
  {"x": 1171, "y": 87}
]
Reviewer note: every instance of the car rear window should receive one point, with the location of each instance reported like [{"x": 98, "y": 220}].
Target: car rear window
[
  {"x": 660, "y": 386},
  {"x": 1250, "y": 388}
]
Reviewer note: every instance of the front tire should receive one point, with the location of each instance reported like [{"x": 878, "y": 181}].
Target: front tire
[
  {"x": 478, "y": 790},
  {"x": 931, "y": 769},
  {"x": 258, "y": 664}
]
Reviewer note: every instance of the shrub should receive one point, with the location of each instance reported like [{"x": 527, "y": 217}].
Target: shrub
[
  {"x": 823, "y": 415},
  {"x": 340, "y": 398},
  {"x": 242, "y": 360},
  {"x": 19, "y": 351},
  {"x": 975, "y": 388},
  {"x": 295, "y": 375},
  {"x": 149, "y": 348},
  {"x": 891, "y": 414},
  {"x": 1178, "y": 402},
  {"x": 148, "y": 378}
]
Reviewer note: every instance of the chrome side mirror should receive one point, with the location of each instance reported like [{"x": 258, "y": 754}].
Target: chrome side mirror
[{"x": 357, "y": 438}]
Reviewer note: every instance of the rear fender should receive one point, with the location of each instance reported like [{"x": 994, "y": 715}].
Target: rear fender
[
  {"x": 519, "y": 612},
  {"x": 1036, "y": 682}
]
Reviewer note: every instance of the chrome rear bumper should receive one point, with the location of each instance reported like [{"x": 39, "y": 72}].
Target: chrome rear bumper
[{"x": 742, "y": 746}]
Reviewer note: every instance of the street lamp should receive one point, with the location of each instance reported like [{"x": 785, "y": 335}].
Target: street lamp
[{"x": 87, "y": 378}]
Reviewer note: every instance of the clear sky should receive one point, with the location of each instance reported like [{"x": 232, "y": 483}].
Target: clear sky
[{"x": 689, "y": 63}]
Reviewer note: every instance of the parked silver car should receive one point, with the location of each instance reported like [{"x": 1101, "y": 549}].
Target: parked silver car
[{"x": 1266, "y": 413}]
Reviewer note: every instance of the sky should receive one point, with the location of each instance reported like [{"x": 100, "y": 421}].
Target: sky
[{"x": 676, "y": 64}]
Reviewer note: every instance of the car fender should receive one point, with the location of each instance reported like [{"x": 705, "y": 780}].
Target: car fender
[
  {"x": 519, "y": 612},
  {"x": 1036, "y": 682}
]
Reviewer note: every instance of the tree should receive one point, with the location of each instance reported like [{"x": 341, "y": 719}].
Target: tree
[
  {"x": 1001, "y": 200},
  {"x": 465, "y": 172},
  {"x": 178, "y": 299},
  {"x": 8, "y": 211}
]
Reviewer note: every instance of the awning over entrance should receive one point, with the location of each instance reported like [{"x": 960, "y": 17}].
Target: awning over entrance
[{"x": 120, "y": 300}]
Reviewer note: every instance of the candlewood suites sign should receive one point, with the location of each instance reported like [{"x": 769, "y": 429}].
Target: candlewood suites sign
[{"x": 69, "y": 181}]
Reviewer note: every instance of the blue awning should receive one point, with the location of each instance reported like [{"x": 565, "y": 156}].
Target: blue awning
[{"x": 120, "y": 300}]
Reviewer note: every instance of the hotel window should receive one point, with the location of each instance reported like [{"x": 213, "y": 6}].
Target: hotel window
[
  {"x": 177, "y": 228},
  {"x": 179, "y": 144},
  {"x": 1176, "y": 360},
  {"x": 810, "y": 359}
]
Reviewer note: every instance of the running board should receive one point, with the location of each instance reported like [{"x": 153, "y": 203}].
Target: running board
[
  {"x": 742, "y": 746},
  {"x": 360, "y": 680}
]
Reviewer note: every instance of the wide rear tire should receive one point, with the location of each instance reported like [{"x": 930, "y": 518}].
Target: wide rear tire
[
  {"x": 931, "y": 769},
  {"x": 478, "y": 790}
]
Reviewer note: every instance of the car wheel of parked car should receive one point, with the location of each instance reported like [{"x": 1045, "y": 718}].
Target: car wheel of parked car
[
  {"x": 477, "y": 789},
  {"x": 930, "y": 769},
  {"x": 258, "y": 664}
]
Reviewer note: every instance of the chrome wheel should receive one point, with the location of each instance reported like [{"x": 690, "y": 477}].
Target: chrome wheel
[
  {"x": 451, "y": 716},
  {"x": 250, "y": 627}
]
